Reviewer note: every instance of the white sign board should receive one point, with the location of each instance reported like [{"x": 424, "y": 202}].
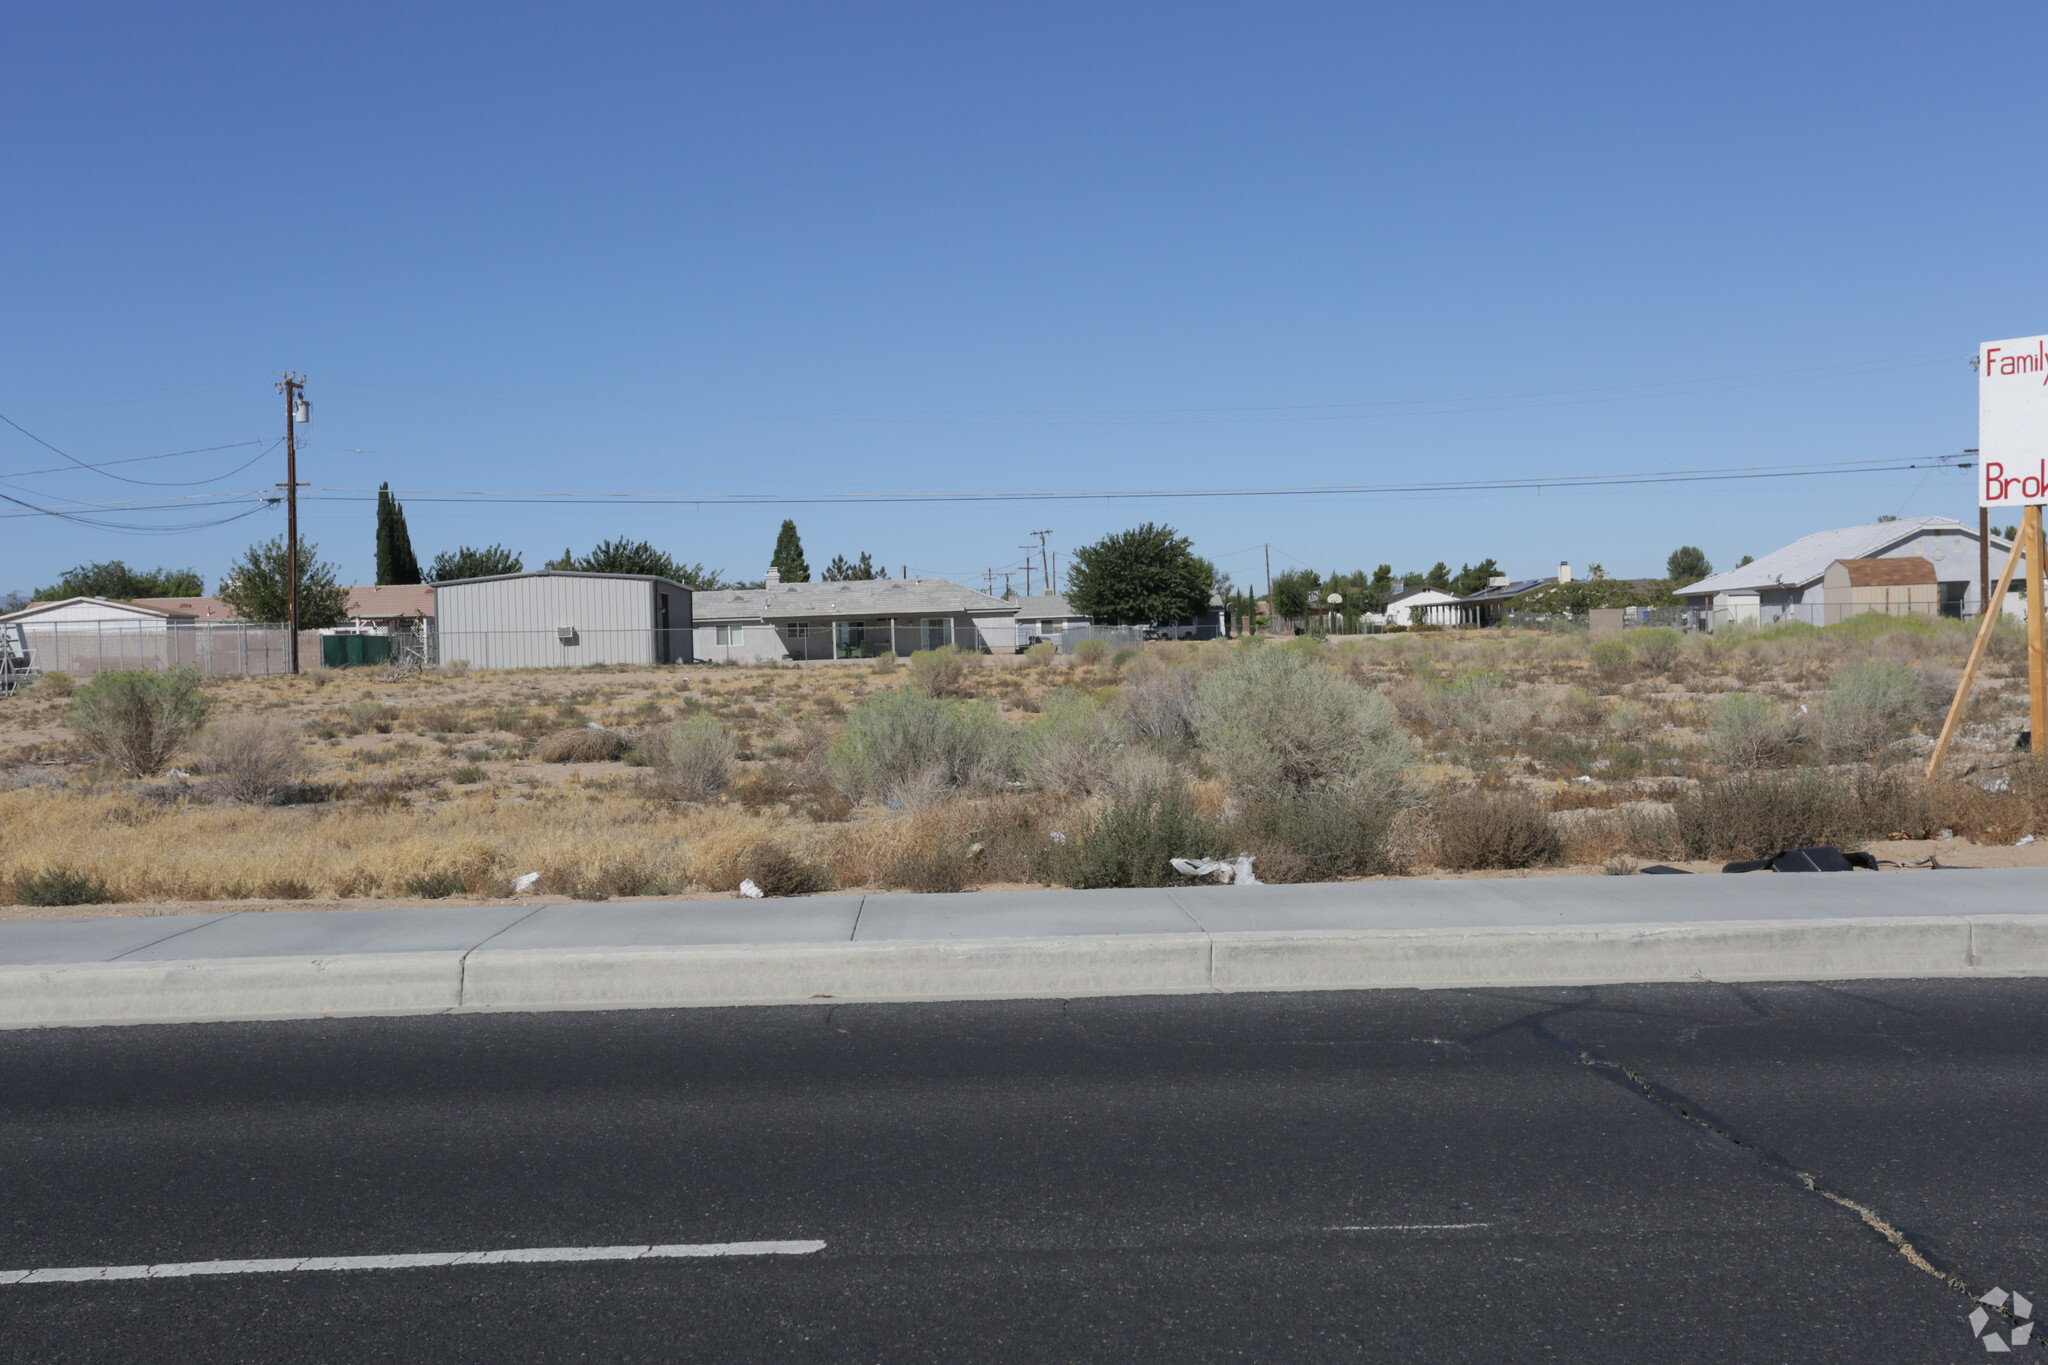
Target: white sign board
[{"x": 2012, "y": 422}]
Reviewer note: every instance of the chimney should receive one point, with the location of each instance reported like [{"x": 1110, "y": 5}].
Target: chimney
[
  {"x": 773, "y": 576},
  {"x": 1564, "y": 572}
]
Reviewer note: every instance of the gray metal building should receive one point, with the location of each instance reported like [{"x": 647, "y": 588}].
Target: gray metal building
[{"x": 555, "y": 619}]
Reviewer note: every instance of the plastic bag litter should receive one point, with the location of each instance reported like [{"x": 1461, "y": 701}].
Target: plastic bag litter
[
  {"x": 751, "y": 891},
  {"x": 1237, "y": 870},
  {"x": 1058, "y": 837},
  {"x": 2028, "y": 840},
  {"x": 525, "y": 882},
  {"x": 592, "y": 725}
]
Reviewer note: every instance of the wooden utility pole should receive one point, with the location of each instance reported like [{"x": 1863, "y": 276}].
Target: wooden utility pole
[
  {"x": 1044, "y": 563},
  {"x": 1269, "y": 589},
  {"x": 291, "y": 386}
]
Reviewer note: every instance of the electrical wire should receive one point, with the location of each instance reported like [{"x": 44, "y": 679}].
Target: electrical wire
[
  {"x": 123, "y": 478},
  {"x": 1519, "y": 484},
  {"x": 275, "y": 441}
]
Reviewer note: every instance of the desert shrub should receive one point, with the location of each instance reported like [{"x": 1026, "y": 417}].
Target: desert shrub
[
  {"x": 1493, "y": 829},
  {"x": 136, "y": 720},
  {"x": 60, "y": 886},
  {"x": 366, "y": 716},
  {"x": 1068, "y": 748},
  {"x": 60, "y": 684},
  {"x": 1658, "y": 647},
  {"x": 1133, "y": 842},
  {"x": 946, "y": 866},
  {"x": 1630, "y": 720},
  {"x": 1867, "y": 708},
  {"x": 936, "y": 672},
  {"x": 456, "y": 668},
  {"x": 1153, "y": 703},
  {"x": 1613, "y": 662},
  {"x": 1275, "y": 723},
  {"x": 695, "y": 755},
  {"x": 778, "y": 872},
  {"x": 1479, "y": 705},
  {"x": 468, "y": 775},
  {"x": 1319, "y": 836},
  {"x": 1579, "y": 707},
  {"x": 1752, "y": 815},
  {"x": 1041, "y": 654},
  {"x": 884, "y": 663},
  {"x": 250, "y": 758},
  {"x": 437, "y": 885},
  {"x": 583, "y": 745},
  {"x": 1122, "y": 656},
  {"x": 1091, "y": 652},
  {"x": 905, "y": 746},
  {"x": 1745, "y": 730}
]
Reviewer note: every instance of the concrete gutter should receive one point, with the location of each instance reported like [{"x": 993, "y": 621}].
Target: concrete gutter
[{"x": 1047, "y": 944}]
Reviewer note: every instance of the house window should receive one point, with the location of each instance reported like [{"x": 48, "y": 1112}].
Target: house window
[
  {"x": 799, "y": 631},
  {"x": 849, "y": 639},
  {"x": 937, "y": 632},
  {"x": 732, "y": 635}
]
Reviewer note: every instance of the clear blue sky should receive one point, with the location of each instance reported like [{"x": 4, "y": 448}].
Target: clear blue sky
[{"x": 1052, "y": 247}]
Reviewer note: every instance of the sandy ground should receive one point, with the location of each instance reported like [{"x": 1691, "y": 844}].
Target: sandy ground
[{"x": 1908, "y": 854}]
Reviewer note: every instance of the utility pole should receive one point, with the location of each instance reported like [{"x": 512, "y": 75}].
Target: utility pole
[
  {"x": 1053, "y": 586},
  {"x": 1043, "y": 562},
  {"x": 292, "y": 386},
  {"x": 1027, "y": 549},
  {"x": 1269, "y": 587}
]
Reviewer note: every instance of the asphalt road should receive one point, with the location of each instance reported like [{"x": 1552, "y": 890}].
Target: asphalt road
[{"x": 1609, "y": 1174}]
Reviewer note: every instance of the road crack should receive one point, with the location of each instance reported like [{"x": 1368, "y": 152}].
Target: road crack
[{"x": 1719, "y": 1133}]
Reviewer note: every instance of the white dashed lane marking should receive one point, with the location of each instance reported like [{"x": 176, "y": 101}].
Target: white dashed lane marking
[{"x": 415, "y": 1261}]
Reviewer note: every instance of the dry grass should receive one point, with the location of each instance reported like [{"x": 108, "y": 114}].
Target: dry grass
[{"x": 1519, "y": 715}]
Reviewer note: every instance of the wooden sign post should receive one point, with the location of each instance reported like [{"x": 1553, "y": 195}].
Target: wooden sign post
[{"x": 1985, "y": 625}]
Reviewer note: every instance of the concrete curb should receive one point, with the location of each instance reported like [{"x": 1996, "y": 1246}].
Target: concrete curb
[{"x": 514, "y": 979}]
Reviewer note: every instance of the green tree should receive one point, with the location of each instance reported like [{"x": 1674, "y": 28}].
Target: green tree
[
  {"x": 629, "y": 556},
  {"x": 1439, "y": 576},
  {"x": 396, "y": 562},
  {"x": 1380, "y": 589},
  {"x": 257, "y": 587},
  {"x": 1290, "y": 593},
  {"x": 1746, "y": 559},
  {"x": 1687, "y": 564},
  {"x": 564, "y": 563},
  {"x": 840, "y": 570},
  {"x": 1472, "y": 577},
  {"x": 467, "y": 561},
  {"x": 788, "y": 559},
  {"x": 1149, "y": 573},
  {"x": 116, "y": 580}
]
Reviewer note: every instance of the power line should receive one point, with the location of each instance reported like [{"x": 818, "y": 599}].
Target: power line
[
  {"x": 100, "y": 467},
  {"x": 1524, "y": 483}
]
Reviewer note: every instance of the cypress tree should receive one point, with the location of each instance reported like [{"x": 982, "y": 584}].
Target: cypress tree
[
  {"x": 788, "y": 559},
  {"x": 395, "y": 560}
]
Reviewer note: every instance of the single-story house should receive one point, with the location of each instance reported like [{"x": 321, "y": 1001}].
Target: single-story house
[
  {"x": 197, "y": 608},
  {"x": 561, "y": 618},
  {"x": 1904, "y": 585},
  {"x": 83, "y": 635},
  {"x": 403, "y": 606},
  {"x": 1421, "y": 605},
  {"x": 850, "y": 620},
  {"x": 1492, "y": 603},
  {"x": 1790, "y": 584},
  {"x": 1046, "y": 615}
]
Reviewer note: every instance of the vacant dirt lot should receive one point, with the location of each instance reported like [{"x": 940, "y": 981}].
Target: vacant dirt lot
[{"x": 453, "y": 784}]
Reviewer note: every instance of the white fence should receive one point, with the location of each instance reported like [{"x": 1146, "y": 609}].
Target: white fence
[{"x": 215, "y": 649}]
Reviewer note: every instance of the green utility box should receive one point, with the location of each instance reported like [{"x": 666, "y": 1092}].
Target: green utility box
[{"x": 346, "y": 651}]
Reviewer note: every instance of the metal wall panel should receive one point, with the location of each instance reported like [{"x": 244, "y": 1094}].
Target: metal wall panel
[{"x": 516, "y": 622}]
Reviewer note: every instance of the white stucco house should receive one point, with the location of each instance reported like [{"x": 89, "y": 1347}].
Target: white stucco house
[{"x": 1421, "y": 606}]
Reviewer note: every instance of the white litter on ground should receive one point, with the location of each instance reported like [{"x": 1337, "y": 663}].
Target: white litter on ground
[
  {"x": 751, "y": 891},
  {"x": 525, "y": 882},
  {"x": 414, "y": 1261},
  {"x": 1237, "y": 870}
]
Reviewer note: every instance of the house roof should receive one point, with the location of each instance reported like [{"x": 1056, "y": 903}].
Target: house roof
[
  {"x": 1508, "y": 590},
  {"x": 855, "y": 600},
  {"x": 1050, "y": 606},
  {"x": 1898, "y": 572},
  {"x": 1807, "y": 558},
  {"x": 115, "y": 606},
  {"x": 1434, "y": 594},
  {"x": 560, "y": 573},
  {"x": 391, "y": 599},
  {"x": 199, "y": 608}
]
